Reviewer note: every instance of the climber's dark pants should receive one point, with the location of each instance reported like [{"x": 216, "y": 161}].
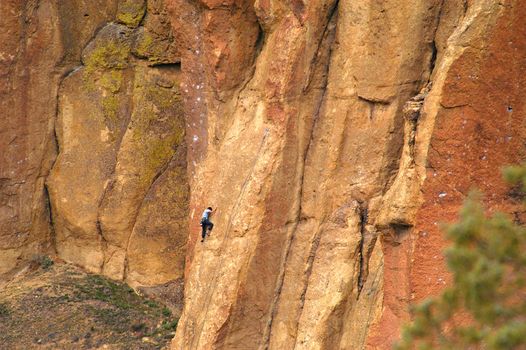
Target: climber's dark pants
[{"x": 204, "y": 225}]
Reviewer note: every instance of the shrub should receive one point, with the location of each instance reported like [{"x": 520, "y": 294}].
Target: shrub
[
  {"x": 488, "y": 262},
  {"x": 4, "y": 310}
]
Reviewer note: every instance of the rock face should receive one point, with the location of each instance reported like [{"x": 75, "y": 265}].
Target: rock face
[
  {"x": 120, "y": 125},
  {"x": 105, "y": 115},
  {"x": 331, "y": 137},
  {"x": 40, "y": 42},
  {"x": 334, "y": 143}
]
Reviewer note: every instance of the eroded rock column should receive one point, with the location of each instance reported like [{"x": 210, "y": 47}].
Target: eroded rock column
[
  {"x": 39, "y": 44},
  {"x": 118, "y": 188},
  {"x": 318, "y": 165}
]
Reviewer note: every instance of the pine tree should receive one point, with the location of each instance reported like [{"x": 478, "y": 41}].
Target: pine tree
[{"x": 487, "y": 260}]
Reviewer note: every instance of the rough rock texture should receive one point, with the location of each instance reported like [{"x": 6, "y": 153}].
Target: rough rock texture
[
  {"x": 95, "y": 103},
  {"x": 118, "y": 188},
  {"x": 343, "y": 133},
  {"x": 40, "y": 42},
  {"x": 332, "y": 137}
]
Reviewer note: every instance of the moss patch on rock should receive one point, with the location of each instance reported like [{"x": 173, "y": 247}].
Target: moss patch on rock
[
  {"x": 112, "y": 81},
  {"x": 110, "y": 50},
  {"x": 162, "y": 149},
  {"x": 111, "y": 55},
  {"x": 149, "y": 46},
  {"x": 157, "y": 125},
  {"x": 131, "y": 12},
  {"x": 110, "y": 107}
]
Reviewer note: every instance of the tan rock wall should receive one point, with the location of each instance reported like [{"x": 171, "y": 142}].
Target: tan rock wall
[
  {"x": 320, "y": 163},
  {"x": 38, "y": 46},
  {"x": 118, "y": 188},
  {"x": 331, "y": 136},
  {"x": 92, "y": 91}
]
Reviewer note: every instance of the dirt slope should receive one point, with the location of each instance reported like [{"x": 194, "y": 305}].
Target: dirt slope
[{"x": 58, "y": 306}]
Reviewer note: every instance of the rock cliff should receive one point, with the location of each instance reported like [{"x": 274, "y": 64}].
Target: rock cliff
[
  {"x": 355, "y": 128},
  {"x": 95, "y": 150},
  {"x": 331, "y": 136}
]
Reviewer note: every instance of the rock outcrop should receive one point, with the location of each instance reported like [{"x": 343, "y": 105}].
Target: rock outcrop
[
  {"x": 331, "y": 136},
  {"x": 40, "y": 42},
  {"x": 110, "y": 123},
  {"x": 332, "y": 158}
]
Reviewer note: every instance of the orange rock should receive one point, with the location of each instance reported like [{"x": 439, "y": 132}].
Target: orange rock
[{"x": 332, "y": 138}]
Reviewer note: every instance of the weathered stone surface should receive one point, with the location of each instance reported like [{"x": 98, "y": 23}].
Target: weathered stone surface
[
  {"x": 119, "y": 127},
  {"x": 119, "y": 137},
  {"x": 155, "y": 39},
  {"x": 39, "y": 43},
  {"x": 131, "y": 12},
  {"x": 156, "y": 250},
  {"x": 458, "y": 145},
  {"x": 153, "y": 134},
  {"x": 318, "y": 166},
  {"x": 331, "y": 137}
]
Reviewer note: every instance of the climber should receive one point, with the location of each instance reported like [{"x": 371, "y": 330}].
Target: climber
[{"x": 206, "y": 223}]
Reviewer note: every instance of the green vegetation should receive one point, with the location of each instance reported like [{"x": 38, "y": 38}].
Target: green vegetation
[
  {"x": 99, "y": 288},
  {"x": 159, "y": 151},
  {"x": 110, "y": 108},
  {"x": 43, "y": 261},
  {"x": 111, "y": 81},
  {"x": 63, "y": 307},
  {"x": 103, "y": 72},
  {"x": 4, "y": 310},
  {"x": 151, "y": 303},
  {"x": 147, "y": 46},
  {"x": 123, "y": 306},
  {"x": 488, "y": 262},
  {"x": 144, "y": 44},
  {"x": 162, "y": 97},
  {"x": 166, "y": 312},
  {"x": 119, "y": 320},
  {"x": 131, "y": 12},
  {"x": 113, "y": 54},
  {"x": 157, "y": 125},
  {"x": 46, "y": 263},
  {"x": 169, "y": 325}
]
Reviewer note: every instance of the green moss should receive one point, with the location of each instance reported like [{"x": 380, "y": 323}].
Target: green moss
[
  {"x": 148, "y": 47},
  {"x": 158, "y": 152},
  {"x": 144, "y": 44},
  {"x": 88, "y": 80},
  {"x": 180, "y": 190},
  {"x": 4, "y": 310},
  {"x": 162, "y": 97},
  {"x": 110, "y": 107},
  {"x": 113, "y": 55},
  {"x": 131, "y": 12},
  {"x": 158, "y": 133},
  {"x": 111, "y": 81}
]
